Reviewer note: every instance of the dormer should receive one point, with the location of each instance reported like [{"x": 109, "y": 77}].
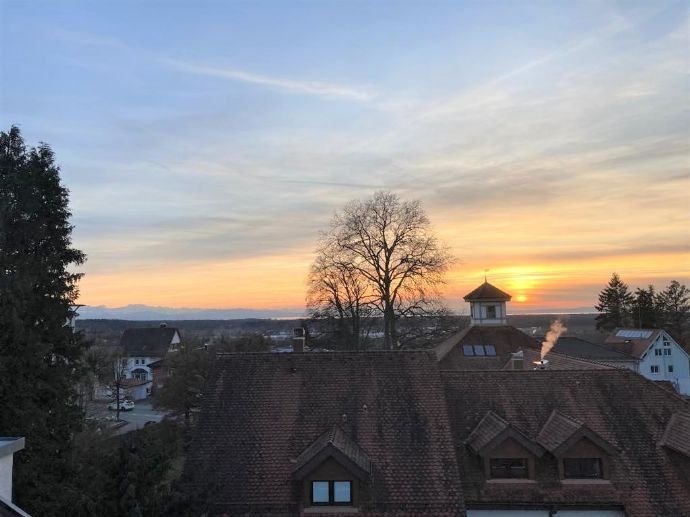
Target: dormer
[
  {"x": 488, "y": 305},
  {"x": 333, "y": 472},
  {"x": 508, "y": 455},
  {"x": 677, "y": 434},
  {"x": 583, "y": 455}
]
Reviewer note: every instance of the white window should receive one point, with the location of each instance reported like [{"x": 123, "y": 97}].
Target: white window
[
  {"x": 667, "y": 342},
  {"x": 655, "y": 368},
  {"x": 670, "y": 368},
  {"x": 657, "y": 351},
  {"x": 667, "y": 351}
]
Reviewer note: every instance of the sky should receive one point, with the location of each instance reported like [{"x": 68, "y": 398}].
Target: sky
[{"x": 206, "y": 144}]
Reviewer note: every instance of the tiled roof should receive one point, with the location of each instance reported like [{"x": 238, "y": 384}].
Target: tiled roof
[
  {"x": 147, "y": 342},
  {"x": 677, "y": 433},
  {"x": 492, "y": 430},
  {"x": 557, "y": 429},
  {"x": 333, "y": 441},
  {"x": 621, "y": 407},
  {"x": 506, "y": 340},
  {"x": 487, "y": 292},
  {"x": 577, "y": 347},
  {"x": 487, "y": 429},
  {"x": 633, "y": 342},
  {"x": 262, "y": 411},
  {"x": 556, "y": 362}
]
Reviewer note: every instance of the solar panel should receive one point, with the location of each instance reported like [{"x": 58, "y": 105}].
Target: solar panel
[
  {"x": 634, "y": 334},
  {"x": 467, "y": 350},
  {"x": 479, "y": 350},
  {"x": 490, "y": 349}
]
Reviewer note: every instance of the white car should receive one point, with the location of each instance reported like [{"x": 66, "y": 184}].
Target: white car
[{"x": 125, "y": 405}]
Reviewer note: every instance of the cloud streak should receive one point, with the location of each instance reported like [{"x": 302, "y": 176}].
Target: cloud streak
[{"x": 317, "y": 88}]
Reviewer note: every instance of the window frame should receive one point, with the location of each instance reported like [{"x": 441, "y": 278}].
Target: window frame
[
  {"x": 654, "y": 368},
  {"x": 331, "y": 492},
  {"x": 579, "y": 462},
  {"x": 509, "y": 468},
  {"x": 670, "y": 368},
  {"x": 489, "y": 310}
]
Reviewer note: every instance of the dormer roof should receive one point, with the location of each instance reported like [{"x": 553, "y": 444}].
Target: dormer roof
[
  {"x": 336, "y": 444},
  {"x": 489, "y": 293},
  {"x": 560, "y": 433},
  {"x": 677, "y": 434},
  {"x": 633, "y": 342},
  {"x": 492, "y": 431}
]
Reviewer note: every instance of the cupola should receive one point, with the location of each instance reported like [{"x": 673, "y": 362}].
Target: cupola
[{"x": 488, "y": 305}]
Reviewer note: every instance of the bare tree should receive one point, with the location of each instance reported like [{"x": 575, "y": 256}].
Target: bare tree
[
  {"x": 385, "y": 248},
  {"x": 338, "y": 293},
  {"x": 117, "y": 379}
]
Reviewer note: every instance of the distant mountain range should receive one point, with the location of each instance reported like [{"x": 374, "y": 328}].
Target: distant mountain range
[{"x": 137, "y": 312}]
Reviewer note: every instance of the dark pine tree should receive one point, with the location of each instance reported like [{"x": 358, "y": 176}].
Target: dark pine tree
[
  {"x": 645, "y": 308},
  {"x": 615, "y": 303},
  {"x": 674, "y": 308},
  {"x": 38, "y": 349}
]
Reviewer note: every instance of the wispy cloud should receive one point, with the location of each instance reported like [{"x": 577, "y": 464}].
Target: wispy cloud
[{"x": 317, "y": 88}]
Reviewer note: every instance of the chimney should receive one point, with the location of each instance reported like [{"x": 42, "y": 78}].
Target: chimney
[
  {"x": 517, "y": 360},
  {"x": 299, "y": 336},
  {"x": 542, "y": 365}
]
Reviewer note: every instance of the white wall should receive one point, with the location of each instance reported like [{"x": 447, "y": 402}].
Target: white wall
[
  {"x": 6, "y": 476},
  {"x": 677, "y": 358}
]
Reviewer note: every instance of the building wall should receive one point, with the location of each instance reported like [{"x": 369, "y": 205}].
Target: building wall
[
  {"x": 6, "y": 463},
  {"x": 479, "y": 313},
  {"x": 671, "y": 355}
]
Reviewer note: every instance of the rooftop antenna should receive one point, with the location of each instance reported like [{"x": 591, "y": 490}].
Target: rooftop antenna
[{"x": 485, "y": 272}]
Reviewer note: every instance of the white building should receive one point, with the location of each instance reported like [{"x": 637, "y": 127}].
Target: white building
[
  {"x": 8, "y": 446},
  {"x": 660, "y": 357},
  {"x": 488, "y": 305},
  {"x": 143, "y": 347}
]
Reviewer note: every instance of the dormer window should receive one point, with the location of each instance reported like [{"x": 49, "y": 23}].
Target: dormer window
[
  {"x": 582, "y": 468},
  {"x": 331, "y": 493},
  {"x": 332, "y": 471},
  {"x": 491, "y": 312}
]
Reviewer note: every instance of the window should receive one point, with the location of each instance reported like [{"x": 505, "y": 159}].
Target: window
[
  {"x": 670, "y": 368},
  {"x": 508, "y": 468},
  {"x": 491, "y": 312},
  {"x": 478, "y": 350},
  {"x": 331, "y": 492},
  {"x": 655, "y": 368},
  {"x": 657, "y": 351},
  {"x": 667, "y": 351},
  {"x": 582, "y": 468},
  {"x": 140, "y": 375},
  {"x": 667, "y": 342}
]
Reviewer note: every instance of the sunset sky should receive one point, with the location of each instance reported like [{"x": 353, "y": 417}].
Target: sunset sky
[{"x": 206, "y": 144}]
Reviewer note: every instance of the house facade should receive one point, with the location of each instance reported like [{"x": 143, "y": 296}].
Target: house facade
[
  {"x": 142, "y": 348},
  {"x": 659, "y": 357}
]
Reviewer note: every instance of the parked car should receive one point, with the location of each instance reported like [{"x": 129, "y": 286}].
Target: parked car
[{"x": 125, "y": 405}]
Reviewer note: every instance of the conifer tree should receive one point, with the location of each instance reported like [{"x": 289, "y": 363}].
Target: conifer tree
[
  {"x": 615, "y": 303},
  {"x": 39, "y": 351},
  {"x": 645, "y": 308},
  {"x": 674, "y": 305}
]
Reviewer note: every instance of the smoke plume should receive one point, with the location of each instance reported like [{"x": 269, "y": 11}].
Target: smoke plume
[{"x": 557, "y": 328}]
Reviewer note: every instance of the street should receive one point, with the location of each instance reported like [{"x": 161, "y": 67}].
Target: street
[{"x": 136, "y": 419}]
